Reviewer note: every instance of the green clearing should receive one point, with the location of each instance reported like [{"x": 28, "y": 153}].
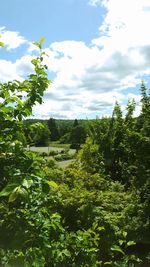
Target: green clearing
[
  {"x": 47, "y": 149},
  {"x": 61, "y": 163},
  {"x": 57, "y": 144}
]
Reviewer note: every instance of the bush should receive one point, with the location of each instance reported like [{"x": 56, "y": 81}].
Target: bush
[
  {"x": 51, "y": 163},
  {"x": 64, "y": 156},
  {"x": 53, "y": 152},
  {"x": 43, "y": 154}
]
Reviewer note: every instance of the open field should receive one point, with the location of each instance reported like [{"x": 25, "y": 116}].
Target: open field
[
  {"x": 48, "y": 149},
  {"x": 59, "y": 149},
  {"x": 56, "y": 144}
]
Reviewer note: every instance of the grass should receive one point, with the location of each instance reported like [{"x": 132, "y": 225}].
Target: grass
[
  {"x": 56, "y": 144},
  {"x": 56, "y": 147},
  {"x": 53, "y": 146},
  {"x": 46, "y": 149}
]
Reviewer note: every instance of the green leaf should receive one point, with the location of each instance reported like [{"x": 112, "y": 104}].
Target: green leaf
[
  {"x": 12, "y": 197},
  {"x": 100, "y": 228},
  {"x": 130, "y": 243},
  {"x": 2, "y": 45},
  {"x": 121, "y": 242},
  {"x": 37, "y": 44},
  {"x": 16, "y": 99},
  {"x": 117, "y": 249},
  {"x": 22, "y": 192},
  {"x": 7, "y": 109},
  {"x": 8, "y": 189},
  {"x": 52, "y": 184},
  {"x": 42, "y": 40},
  {"x": 18, "y": 191},
  {"x": 27, "y": 183},
  {"x": 124, "y": 234},
  {"x": 66, "y": 252}
]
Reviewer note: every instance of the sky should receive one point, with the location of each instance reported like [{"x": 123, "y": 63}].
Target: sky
[{"x": 98, "y": 52}]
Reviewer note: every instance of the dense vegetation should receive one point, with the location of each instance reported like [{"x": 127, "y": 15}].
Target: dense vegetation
[{"x": 96, "y": 212}]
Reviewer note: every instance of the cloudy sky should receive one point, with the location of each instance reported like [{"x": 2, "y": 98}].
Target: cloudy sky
[{"x": 99, "y": 51}]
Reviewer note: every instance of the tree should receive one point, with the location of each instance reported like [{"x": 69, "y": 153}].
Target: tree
[
  {"x": 76, "y": 123},
  {"x": 54, "y": 133},
  {"x": 38, "y": 134},
  {"x": 89, "y": 158},
  {"x": 77, "y": 136},
  {"x": 13, "y": 109}
]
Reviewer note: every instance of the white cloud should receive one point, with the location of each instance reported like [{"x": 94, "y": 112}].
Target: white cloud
[
  {"x": 8, "y": 71},
  {"x": 88, "y": 79},
  {"x": 11, "y": 39},
  {"x": 24, "y": 66},
  {"x": 17, "y": 70},
  {"x": 126, "y": 23},
  {"x": 32, "y": 48},
  {"x": 115, "y": 61}
]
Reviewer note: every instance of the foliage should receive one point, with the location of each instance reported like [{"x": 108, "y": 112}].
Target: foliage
[
  {"x": 93, "y": 213},
  {"x": 29, "y": 218},
  {"x": 53, "y": 129},
  {"x": 77, "y": 136},
  {"x": 38, "y": 134}
]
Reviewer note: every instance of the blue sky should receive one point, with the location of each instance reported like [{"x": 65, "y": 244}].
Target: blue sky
[
  {"x": 57, "y": 20},
  {"x": 99, "y": 50}
]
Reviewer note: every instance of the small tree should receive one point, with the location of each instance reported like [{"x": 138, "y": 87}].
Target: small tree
[{"x": 13, "y": 109}]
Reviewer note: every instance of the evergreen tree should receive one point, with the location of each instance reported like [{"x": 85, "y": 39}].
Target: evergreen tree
[
  {"x": 76, "y": 123},
  {"x": 77, "y": 136},
  {"x": 53, "y": 129}
]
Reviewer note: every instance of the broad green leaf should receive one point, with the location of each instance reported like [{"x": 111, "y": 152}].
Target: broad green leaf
[
  {"x": 8, "y": 189},
  {"x": 12, "y": 197},
  {"x": 27, "y": 183},
  {"x": 117, "y": 249},
  {"x": 130, "y": 243},
  {"x": 52, "y": 184},
  {"x": 18, "y": 191},
  {"x": 22, "y": 192}
]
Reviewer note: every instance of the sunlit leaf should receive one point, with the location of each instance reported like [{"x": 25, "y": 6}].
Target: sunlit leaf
[
  {"x": 8, "y": 189},
  {"x": 42, "y": 40},
  {"x": 117, "y": 249},
  {"x": 12, "y": 196},
  {"x": 52, "y": 184},
  {"x": 2, "y": 45},
  {"x": 37, "y": 44},
  {"x": 27, "y": 183},
  {"x": 130, "y": 243}
]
